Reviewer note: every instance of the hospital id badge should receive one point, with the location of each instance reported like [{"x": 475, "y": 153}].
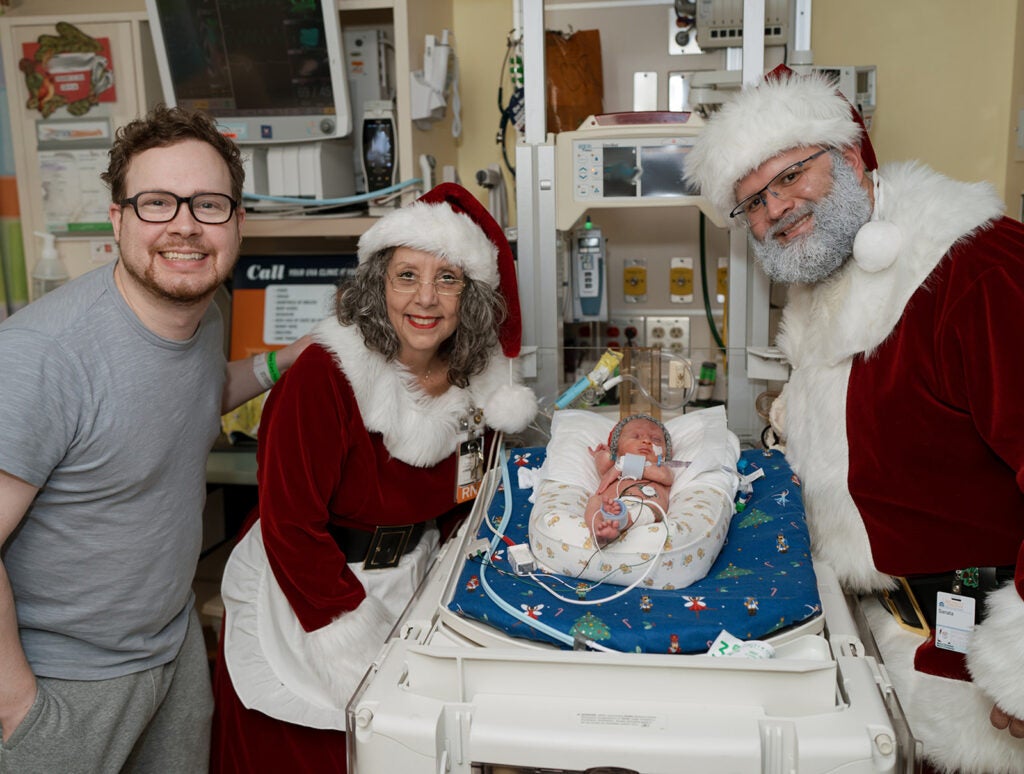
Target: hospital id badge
[
  {"x": 954, "y": 621},
  {"x": 469, "y": 471}
]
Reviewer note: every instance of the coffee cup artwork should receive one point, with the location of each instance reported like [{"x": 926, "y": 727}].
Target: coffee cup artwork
[{"x": 68, "y": 70}]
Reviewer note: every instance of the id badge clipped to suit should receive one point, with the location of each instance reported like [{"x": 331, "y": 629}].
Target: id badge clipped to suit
[{"x": 469, "y": 471}]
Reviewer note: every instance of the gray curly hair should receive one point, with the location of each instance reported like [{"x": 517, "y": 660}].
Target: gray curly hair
[{"x": 361, "y": 301}]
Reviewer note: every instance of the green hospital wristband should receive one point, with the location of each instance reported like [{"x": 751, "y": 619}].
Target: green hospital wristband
[{"x": 272, "y": 365}]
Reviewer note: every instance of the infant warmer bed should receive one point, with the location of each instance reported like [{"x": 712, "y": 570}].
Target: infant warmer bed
[{"x": 480, "y": 675}]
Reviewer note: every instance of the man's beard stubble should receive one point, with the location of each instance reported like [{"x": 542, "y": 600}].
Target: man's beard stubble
[{"x": 817, "y": 255}]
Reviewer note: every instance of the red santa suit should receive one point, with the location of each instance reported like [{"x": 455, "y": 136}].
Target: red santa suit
[
  {"x": 349, "y": 442},
  {"x": 903, "y": 417},
  {"x": 346, "y": 440}
]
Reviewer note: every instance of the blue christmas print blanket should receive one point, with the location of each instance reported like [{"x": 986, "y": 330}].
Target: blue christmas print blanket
[{"x": 762, "y": 582}]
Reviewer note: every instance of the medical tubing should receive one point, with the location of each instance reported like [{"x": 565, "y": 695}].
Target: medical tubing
[
  {"x": 704, "y": 285},
  {"x": 357, "y": 199},
  {"x": 542, "y": 627},
  {"x": 584, "y": 602},
  {"x": 614, "y": 381},
  {"x": 573, "y": 392},
  {"x": 687, "y": 397},
  {"x": 498, "y": 535}
]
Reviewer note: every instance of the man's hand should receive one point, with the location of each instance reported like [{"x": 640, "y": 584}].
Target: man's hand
[
  {"x": 12, "y": 718},
  {"x": 1006, "y": 722}
]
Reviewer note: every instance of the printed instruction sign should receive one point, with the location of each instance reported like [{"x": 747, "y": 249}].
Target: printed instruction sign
[{"x": 275, "y": 299}]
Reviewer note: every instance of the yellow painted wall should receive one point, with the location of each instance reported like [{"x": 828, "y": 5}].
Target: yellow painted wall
[
  {"x": 945, "y": 77},
  {"x": 1015, "y": 167},
  {"x": 481, "y": 29}
]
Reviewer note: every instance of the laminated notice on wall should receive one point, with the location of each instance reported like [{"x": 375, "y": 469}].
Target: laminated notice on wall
[{"x": 275, "y": 299}]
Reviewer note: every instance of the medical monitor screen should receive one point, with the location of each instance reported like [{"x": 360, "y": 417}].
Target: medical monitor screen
[
  {"x": 267, "y": 71},
  {"x": 379, "y": 152},
  {"x": 620, "y": 171},
  {"x": 663, "y": 167}
]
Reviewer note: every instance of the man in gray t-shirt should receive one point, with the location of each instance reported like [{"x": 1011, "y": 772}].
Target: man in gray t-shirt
[{"x": 111, "y": 391}]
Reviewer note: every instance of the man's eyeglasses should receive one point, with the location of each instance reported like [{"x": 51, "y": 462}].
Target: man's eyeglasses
[
  {"x": 790, "y": 182},
  {"x": 162, "y": 206},
  {"x": 444, "y": 284}
]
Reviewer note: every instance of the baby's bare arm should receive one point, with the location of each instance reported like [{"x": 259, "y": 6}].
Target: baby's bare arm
[
  {"x": 610, "y": 476},
  {"x": 660, "y": 474},
  {"x": 602, "y": 457}
]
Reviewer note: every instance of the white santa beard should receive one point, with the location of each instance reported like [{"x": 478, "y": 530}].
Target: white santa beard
[{"x": 817, "y": 255}]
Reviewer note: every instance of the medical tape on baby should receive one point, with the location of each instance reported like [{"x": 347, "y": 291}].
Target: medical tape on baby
[
  {"x": 622, "y": 517},
  {"x": 644, "y": 501},
  {"x": 633, "y": 466}
]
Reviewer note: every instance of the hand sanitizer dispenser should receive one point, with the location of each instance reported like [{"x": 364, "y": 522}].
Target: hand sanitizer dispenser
[{"x": 49, "y": 272}]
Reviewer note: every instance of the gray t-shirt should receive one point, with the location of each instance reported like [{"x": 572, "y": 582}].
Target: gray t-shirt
[{"x": 114, "y": 423}]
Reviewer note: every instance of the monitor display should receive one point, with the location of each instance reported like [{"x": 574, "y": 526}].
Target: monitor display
[
  {"x": 269, "y": 72},
  {"x": 379, "y": 152},
  {"x": 620, "y": 171},
  {"x": 663, "y": 170}
]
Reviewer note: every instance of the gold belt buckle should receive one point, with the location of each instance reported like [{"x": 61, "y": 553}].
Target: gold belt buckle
[
  {"x": 904, "y": 607},
  {"x": 387, "y": 547}
]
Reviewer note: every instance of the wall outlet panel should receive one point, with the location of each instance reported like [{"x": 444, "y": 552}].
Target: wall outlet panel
[
  {"x": 670, "y": 333},
  {"x": 621, "y": 331}
]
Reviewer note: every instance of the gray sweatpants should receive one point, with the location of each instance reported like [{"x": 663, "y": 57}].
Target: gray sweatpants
[{"x": 152, "y": 721}]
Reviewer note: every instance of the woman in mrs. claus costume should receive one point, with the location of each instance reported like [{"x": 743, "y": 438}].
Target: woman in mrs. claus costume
[
  {"x": 903, "y": 415},
  {"x": 361, "y": 444}
]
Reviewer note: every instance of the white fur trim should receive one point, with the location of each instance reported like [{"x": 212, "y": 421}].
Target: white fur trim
[
  {"x": 341, "y": 652},
  {"x": 417, "y": 428},
  {"x": 439, "y": 230},
  {"x": 816, "y": 410},
  {"x": 996, "y": 654},
  {"x": 508, "y": 404},
  {"x": 761, "y": 122},
  {"x": 950, "y": 717},
  {"x": 876, "y": 246}
]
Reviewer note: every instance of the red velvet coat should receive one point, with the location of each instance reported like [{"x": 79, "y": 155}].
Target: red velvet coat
[
  {"x": 347, "y": 439},
  {"x": 904, "y": 419}
]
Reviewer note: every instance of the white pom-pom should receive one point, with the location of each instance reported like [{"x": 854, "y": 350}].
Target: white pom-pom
[
  {"x": 876, "y": 245},
  {"x": 510, "y": 408}
]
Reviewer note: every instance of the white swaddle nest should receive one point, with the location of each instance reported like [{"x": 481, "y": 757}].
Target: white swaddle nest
[{"x": 683, "y": 546}]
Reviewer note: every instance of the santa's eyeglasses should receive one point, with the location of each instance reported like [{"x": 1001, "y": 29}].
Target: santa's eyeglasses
[{"x": 790, "y": 183}]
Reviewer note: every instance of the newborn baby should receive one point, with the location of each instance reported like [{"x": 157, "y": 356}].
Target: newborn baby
[{"x": 635, "y": 481}]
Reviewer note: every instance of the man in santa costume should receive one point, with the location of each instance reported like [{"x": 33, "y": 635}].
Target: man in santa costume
[{"x": 903, "y": 413}]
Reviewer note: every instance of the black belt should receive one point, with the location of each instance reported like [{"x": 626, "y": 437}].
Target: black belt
[
  {"x": 973, "y": 582},
  {"x": 384, "y": 547}
]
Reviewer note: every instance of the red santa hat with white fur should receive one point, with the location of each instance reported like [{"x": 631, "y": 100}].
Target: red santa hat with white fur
[
  {"x": 782, "y": 112},
  {"x": 449, "y": 222}
]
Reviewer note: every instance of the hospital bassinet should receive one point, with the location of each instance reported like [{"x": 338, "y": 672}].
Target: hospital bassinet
[{"x": 465, "y": 686}]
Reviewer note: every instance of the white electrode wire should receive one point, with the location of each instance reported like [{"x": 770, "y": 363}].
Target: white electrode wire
[
  {"x": 616, "y": 595},
  {"x": 498, "y": 535}
]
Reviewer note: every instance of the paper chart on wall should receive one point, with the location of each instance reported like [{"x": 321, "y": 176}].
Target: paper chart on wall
[{"x": 74, "y": 197}]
